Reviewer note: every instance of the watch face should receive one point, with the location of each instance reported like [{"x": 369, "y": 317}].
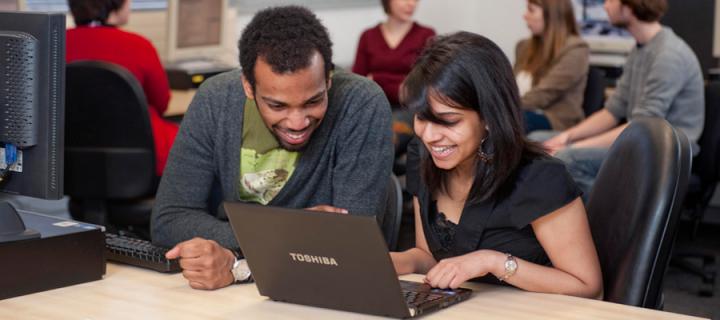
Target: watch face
[
  {"x": 242, "y": 275},
  {"x": 241, "y": 271},
  {"x": 510, "y": 265}
]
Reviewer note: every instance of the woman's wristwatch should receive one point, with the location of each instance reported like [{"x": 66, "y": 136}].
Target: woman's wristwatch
[{"x": 511, "y": 267}]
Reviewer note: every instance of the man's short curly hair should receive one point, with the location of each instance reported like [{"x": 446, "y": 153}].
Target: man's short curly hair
[{"x": 286, "y": 38}]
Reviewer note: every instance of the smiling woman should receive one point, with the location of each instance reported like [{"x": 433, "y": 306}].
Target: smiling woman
[{"x": 489, "y": 204}]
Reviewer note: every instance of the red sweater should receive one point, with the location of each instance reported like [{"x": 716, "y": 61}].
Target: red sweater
[
  {"x": 389, "y": 66},
  {"x": 137, "y": 55}
]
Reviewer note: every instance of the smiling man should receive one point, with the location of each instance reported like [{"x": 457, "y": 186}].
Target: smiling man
[{"x": 285, "y": 131}]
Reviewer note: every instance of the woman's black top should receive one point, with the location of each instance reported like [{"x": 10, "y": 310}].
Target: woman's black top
[{"x": 538, "y": 187}]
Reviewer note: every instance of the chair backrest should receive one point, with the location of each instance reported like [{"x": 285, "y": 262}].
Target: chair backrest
[
  {"x": 109, "y": 152},
  {"x": 634, "y": 208},
  {"x": 594, "y": 96},
  {"x": 390, "y": 222},
  {"x": 706, "y": 164}
]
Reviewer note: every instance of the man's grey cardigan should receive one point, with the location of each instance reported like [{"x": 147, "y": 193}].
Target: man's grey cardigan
[{"x": 347, "y": 163}]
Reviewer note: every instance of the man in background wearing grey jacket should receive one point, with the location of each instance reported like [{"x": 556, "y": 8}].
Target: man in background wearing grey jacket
[
  {"x": 661, "y": 78},
  {"x": 285, "y": 131}
]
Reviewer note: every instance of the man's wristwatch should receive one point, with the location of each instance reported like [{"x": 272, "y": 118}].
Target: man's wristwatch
[
  {"x": 241, "y": 271},
  {"x": 511, "y": 267}
]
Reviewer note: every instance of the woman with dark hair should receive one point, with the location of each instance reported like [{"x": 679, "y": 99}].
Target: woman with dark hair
[
  {"x": 489, "y": 204},
  {"x": 97, "y": 37},
  {"x": 551, "y": 67}
]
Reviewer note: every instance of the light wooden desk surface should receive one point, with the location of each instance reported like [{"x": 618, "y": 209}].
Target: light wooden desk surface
[
  {"x": 179, "y": 102},
  {"x": 133, "y": 293}
]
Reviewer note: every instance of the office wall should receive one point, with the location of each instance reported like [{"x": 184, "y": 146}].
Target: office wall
[
  {"x": 153, "y": 25},
  {"x": 344, "y": 25},
  {"x": 499, "y": 20},
  {"x": 698, "y": 31}
]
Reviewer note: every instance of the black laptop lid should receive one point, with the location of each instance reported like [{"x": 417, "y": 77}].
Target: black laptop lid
[{"x": 318, "y": 259}]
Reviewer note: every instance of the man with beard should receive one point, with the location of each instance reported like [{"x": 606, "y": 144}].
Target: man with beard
[
  {"x": 285, "y": 131},
  {"x": 661, "y": 78}
]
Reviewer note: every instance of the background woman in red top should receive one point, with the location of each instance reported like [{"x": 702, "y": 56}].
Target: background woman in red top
[
  {"x": 97, "y": 37},
  {"x": 386, "y": 54},
  {"x": 387, "y": 51}
]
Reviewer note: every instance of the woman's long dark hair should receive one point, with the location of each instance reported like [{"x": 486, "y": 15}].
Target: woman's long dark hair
[{"x": 468, "y": 71}]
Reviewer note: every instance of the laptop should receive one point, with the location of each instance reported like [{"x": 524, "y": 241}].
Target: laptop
[{"x": 330, "y": 261}]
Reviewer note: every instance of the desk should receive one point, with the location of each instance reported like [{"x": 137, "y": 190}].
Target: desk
[
  {"x": 132, "y": 293},
  {"x": 179, "y": 102}
]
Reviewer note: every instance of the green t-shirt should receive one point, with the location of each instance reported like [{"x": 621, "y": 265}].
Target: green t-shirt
[{"x": 265, "y": 167}]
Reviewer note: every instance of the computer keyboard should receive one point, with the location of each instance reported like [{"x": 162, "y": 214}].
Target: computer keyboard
[{"x": 138, "y": 252}]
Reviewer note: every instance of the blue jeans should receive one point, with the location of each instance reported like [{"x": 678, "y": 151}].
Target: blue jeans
[
  {"x": 583, "y": 165},
  {"x": 542, "y": 135}
]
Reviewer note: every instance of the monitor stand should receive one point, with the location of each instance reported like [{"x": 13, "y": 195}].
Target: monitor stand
[{"x": 12, "y": 227}]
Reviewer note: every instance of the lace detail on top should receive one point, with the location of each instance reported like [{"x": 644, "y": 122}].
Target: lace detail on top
[{"x": 443, "y": 228}]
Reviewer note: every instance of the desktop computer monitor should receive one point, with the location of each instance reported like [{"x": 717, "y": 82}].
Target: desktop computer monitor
[
  {"x": 608, "y": 44},
  {"x": 32, "y": 100},
  {"x": 196, "y": 29}
]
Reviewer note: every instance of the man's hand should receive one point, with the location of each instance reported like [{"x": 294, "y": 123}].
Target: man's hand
[
  {"x": 328, "y": 209},
  {"x": 206, "y": 265},
  {"x": 557, "y": 143}
]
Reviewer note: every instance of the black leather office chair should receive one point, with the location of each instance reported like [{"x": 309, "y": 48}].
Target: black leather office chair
[
  {"x": 109, "y": 153},
  {"x": 634, "y": 207},
  {"x": 594, "y": 96},
  {"x": 704, "y": 179},
  {"x": 390, "y": 221}
]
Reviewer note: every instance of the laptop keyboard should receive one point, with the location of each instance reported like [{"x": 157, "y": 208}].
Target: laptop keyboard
[
  {"x": 417, "y": 298},
  {"x": 138, "y": 252},
  {"x": 417, "y": 293}
]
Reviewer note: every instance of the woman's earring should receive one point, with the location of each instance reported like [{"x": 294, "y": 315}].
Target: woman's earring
[{"x": 484, "y": 157}]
